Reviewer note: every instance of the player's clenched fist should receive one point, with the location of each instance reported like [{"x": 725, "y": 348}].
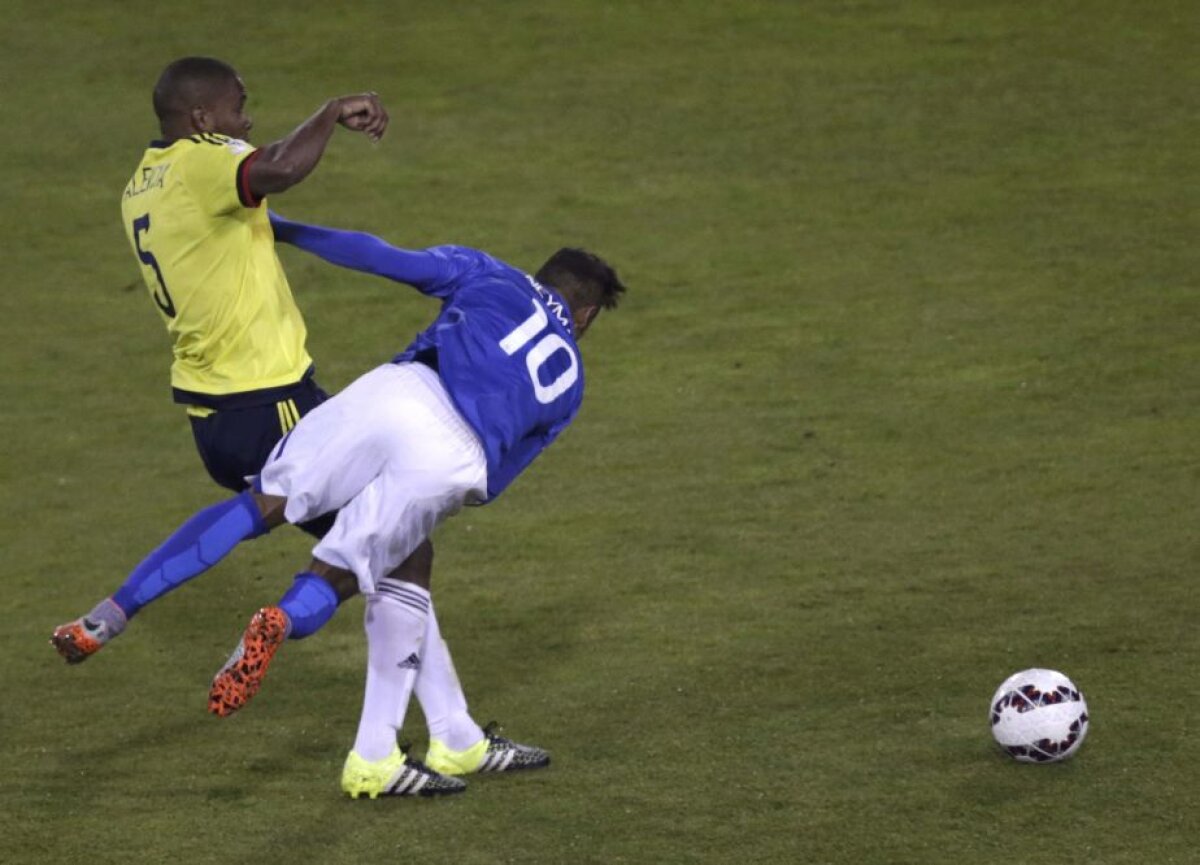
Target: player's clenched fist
[{"x": 363, "y": 112}]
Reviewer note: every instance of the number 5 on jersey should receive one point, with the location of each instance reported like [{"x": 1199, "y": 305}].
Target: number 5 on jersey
[
  {"x": 141, "y": 225},
  {"x": 542, "y": 351}
]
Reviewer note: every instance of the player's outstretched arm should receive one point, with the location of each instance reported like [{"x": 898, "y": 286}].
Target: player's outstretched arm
[
  {"x": 357, "y": 250},
  {"x": 284, "y": 163}
]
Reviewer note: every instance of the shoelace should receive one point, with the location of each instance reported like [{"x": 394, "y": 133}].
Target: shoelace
[{"x": 491, "y": 732}]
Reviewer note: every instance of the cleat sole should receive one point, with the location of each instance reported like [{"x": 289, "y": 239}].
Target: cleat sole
[{"x": 238, "y": 682}]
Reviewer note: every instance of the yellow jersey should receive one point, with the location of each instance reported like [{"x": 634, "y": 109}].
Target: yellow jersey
[{"x": 207, "y": 254}]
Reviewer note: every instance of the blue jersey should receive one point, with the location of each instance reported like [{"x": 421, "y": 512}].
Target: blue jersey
[{"x": 503, "y": 344}]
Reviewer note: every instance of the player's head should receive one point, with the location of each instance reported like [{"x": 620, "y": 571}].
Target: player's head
[
  {"x": 201, "y": 94},
  {"x": 585, "y": 282}
]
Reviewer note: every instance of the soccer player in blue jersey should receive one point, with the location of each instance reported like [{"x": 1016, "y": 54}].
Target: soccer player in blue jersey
[{"x": 451, "y": 421}]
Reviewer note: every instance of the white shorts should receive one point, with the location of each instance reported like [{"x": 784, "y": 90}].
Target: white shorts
[{"x": 392, "y": 454}]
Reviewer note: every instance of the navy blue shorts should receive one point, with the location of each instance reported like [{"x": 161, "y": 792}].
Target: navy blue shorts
[{"x": 235, "y": 443}]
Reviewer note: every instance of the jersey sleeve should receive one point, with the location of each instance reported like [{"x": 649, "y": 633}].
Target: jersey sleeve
[
  {"x": 216, "y": 173},
  {"x": 435, "y": 271}
]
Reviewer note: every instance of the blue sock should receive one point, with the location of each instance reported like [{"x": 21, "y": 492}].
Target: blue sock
[
  {"x": 309, "y": 604},
  {"x": 195, "y": 547}
]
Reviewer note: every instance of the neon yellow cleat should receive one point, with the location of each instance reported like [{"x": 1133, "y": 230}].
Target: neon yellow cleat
[
  {"x": 395, "y": 775},
  {"x": 492, "y": 753}
]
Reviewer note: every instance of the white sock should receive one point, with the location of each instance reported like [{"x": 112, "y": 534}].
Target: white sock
[
  {"x": 441, "y": 695},
  {"x": 395, "y": 624}
]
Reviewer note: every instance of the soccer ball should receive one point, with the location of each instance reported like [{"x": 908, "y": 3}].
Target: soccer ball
[{"x": 1039, "y": 716}]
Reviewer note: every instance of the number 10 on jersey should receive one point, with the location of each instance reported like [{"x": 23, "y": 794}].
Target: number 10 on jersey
[{"x": 542, "y": 351}]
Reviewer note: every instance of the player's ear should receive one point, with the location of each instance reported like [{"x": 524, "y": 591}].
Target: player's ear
[
  {"x": 584, "y": 316},
  {"x": 202, "y": 119}
]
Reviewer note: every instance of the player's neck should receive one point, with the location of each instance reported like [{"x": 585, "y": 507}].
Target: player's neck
[{"x": 174, "y": 131}]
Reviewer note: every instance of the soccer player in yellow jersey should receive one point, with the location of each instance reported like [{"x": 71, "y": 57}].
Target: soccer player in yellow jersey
[{"x": 195, "y": 217}]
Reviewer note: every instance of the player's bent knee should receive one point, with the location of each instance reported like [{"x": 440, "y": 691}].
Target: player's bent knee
[
  {"x": 271, "y": 508},
  {"x": 343, "y": 582},
  {"x": 346, "y": 586}
]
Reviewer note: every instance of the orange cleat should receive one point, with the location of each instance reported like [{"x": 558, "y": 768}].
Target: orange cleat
[
  {"x": 242, "y": 675},
  {"x": 78, "y": 640}
]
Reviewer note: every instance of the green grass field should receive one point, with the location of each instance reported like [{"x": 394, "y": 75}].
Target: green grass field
[{"x": 905, "y": 397}]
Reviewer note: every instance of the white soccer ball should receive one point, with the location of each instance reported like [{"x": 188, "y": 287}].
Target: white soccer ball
[{"x": 1039, "y": 716}]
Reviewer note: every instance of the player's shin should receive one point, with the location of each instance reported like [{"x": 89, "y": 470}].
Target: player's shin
[
  {"x": 395, "y": 625},
  {"x": 195, "y": 547},
  {"x": 441, "y": 695},
  {"x": 191, "y": 550},
  {"x": 309, "y": 604}
]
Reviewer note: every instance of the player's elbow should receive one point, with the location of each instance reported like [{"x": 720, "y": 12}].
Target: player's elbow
[{"x": 276, "y": 170}]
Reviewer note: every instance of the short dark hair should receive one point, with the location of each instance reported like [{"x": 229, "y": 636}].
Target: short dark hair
[
  {"x": 186, "y": 82},
  {"x": 582, "y": 278}
]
